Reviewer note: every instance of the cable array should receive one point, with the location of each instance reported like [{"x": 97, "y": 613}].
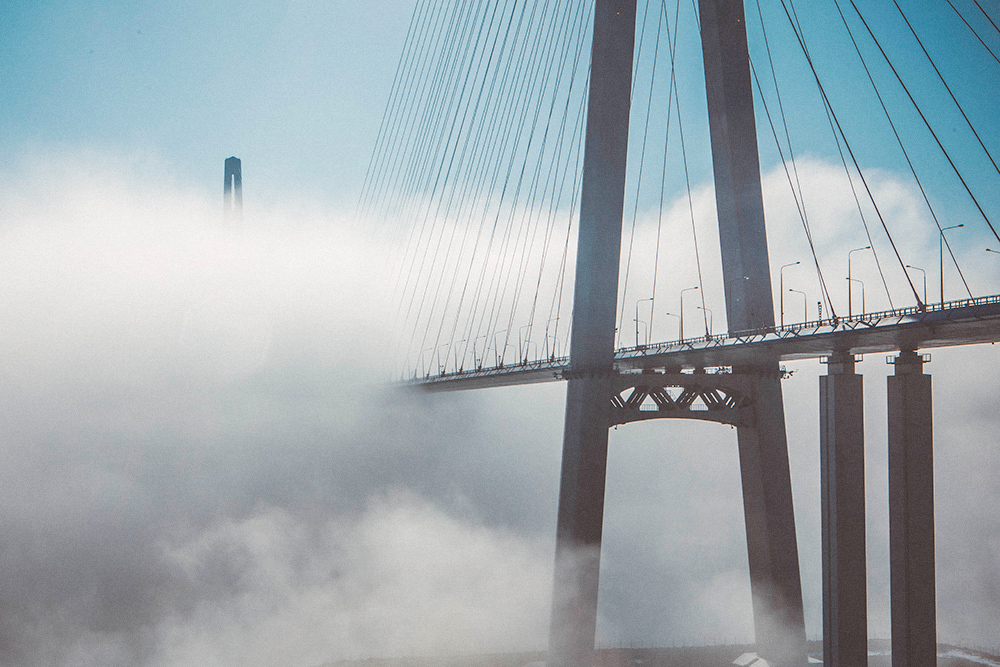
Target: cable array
[
  {"x": 479, "y": 169},
  {"x": 475, "y": 174}
]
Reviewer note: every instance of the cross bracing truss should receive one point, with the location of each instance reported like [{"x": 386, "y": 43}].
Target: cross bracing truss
[
  {"x": 717, "y": 397},
  {"x": 966, "y": 322}
]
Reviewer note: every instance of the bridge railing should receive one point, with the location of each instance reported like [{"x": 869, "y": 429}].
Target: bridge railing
[
  {"x": 811, "y": 326},
  {"x": 867, "y": 320}
]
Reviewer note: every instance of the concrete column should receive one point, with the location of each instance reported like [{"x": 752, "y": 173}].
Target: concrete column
[
  {"x": 767, "y": 489},
  {"x": 911, "y": 515},
  {"x": 580, "y": 523},
  {"x": 770, "y": 524},
  {"x": 842, "y": 473},
  {"x": 588, "y": 394}
]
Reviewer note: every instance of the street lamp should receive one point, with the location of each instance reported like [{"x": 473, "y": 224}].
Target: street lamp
[
  {"x": 496, "y": 348},
  {"x": 781, "y": 288},
  {"x": 555, "y": 331},
  {"x": 941, "y": 256},
  {"x": 711, "y": 328},
  {"x": 855, "y": 280},
  {"x": 686, "y": 289},
  {"x": 917, "y": 268},
  {"x": 995, "y": 252},
  {"x": 849, "y": 311},
  {"x": 673, "y": 315},
  {"x": 479, "y": 361},
  {"x": 637, "y": 322},
  {"x": 805, "y": 303}
]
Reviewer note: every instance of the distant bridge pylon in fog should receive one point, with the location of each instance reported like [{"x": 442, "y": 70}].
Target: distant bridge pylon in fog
[
  {"x": 484, "y": 173},
  {"x": 232, "y": 192}
]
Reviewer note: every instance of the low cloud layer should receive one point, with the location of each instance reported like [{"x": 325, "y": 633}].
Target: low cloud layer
[{"x": 202, "y": 464}]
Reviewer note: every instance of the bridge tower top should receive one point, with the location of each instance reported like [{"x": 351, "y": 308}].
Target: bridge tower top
[
  {"x": 740, "y": 204},
  {"x": 232, "y": 191}
]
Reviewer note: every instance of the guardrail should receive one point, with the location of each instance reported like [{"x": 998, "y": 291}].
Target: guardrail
[
  {"x": 870, "y": 320},
  {"x": 792, "y": 330}
]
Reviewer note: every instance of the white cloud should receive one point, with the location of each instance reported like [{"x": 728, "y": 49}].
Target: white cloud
[
  {"x": 403, "y": 578},
  {"x": 199, "y": 458}
]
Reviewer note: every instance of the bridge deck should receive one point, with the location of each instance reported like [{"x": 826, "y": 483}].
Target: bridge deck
[{"x": 954, "y": 323}]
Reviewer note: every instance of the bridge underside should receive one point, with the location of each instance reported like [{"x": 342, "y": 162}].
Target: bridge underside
[{"x": 974, "y": 321}]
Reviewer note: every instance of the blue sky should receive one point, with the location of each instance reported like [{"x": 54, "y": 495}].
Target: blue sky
[{"x": 296, "y": 89}]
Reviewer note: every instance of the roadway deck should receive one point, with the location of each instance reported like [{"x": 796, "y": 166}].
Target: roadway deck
[{"x": 949, "y": 324}]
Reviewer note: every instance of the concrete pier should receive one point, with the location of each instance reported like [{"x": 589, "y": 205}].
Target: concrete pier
[
  {"x": 911, "y": 514},
  {"x": 842, "y": 489}
]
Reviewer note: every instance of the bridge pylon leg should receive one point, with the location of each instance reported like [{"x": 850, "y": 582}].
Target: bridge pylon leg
[
  {"x": 842, "y": 488},
  {"x": 592, "y": 347},
  {"x": 767, "y": 490},
  {"x": 580, "y": 523},
  {"x": 911, "y": 515},
  {"x": 770, "y": 524}
]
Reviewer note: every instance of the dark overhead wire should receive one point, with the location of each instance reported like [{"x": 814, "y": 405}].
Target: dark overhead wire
[
  {"x": 390, "y": 108},
  {"x": 969, "y": 26},
  {"x": 392, "y": 153},
  {"x": 988, "y": 17},
  {"x": 423, "y": 170},
  {"x": 501, "y": 276},
  {"x": 530, "y": 229},
  {"x": 642, "y": 162},
  {"x": 403, "y": 147},
  {"x": 687, "y": 176},
  {"x": 796, "y": 28},
  {"x": 947, "y": 87},
  {"x": 796, "y": 187},
  {"x": 478, "y": 172},
  {"x": 899, "y": 140},
  {"x": 663, "y": 174},
  {"x": 926, "y": 122},
  {"x": 556, "y": 165}
]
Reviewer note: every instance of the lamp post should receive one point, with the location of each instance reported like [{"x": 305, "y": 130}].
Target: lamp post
[
  {"x": 941, "y": 255},
  {"x": 496, "y": 348},
  {"x": 855, "y": 280},
  {"x": 479, "y": 361},
  {"x": 552, "y": 353},
  {"x": 917, "y": 268},
  {"x": 849, "y": 311},
  {"x": 674, "y": 315},
  {"x": 805, "y": 303},
  {"x": 995, "y": 252},
  {"x": 686, "y": 289},
  {"x": 708, "y": 332},
  {"x": 637, "y": 322},
  {"x": 781, "y": 288}
]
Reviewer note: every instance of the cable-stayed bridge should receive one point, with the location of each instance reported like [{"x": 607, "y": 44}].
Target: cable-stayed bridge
[{"x": 525, "y": 142}]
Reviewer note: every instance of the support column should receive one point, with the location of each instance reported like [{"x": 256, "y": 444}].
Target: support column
[
  {"x": 772, "y": 550},
  {"x": 842, "y": 473},
  {"x": 911, "y": 515},
  {"x": 767, "y": 490},
  {"x": 588, "y": 394}
]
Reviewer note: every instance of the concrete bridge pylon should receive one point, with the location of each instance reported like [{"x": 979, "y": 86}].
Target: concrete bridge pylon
[{"x": 767, "y": 499}]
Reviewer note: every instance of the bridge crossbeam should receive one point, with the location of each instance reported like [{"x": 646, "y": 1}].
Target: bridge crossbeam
[{"x": 724, "y": 397}]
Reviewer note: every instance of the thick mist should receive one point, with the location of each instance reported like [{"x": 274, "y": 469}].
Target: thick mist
[{"x": 203, "y": 464}]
